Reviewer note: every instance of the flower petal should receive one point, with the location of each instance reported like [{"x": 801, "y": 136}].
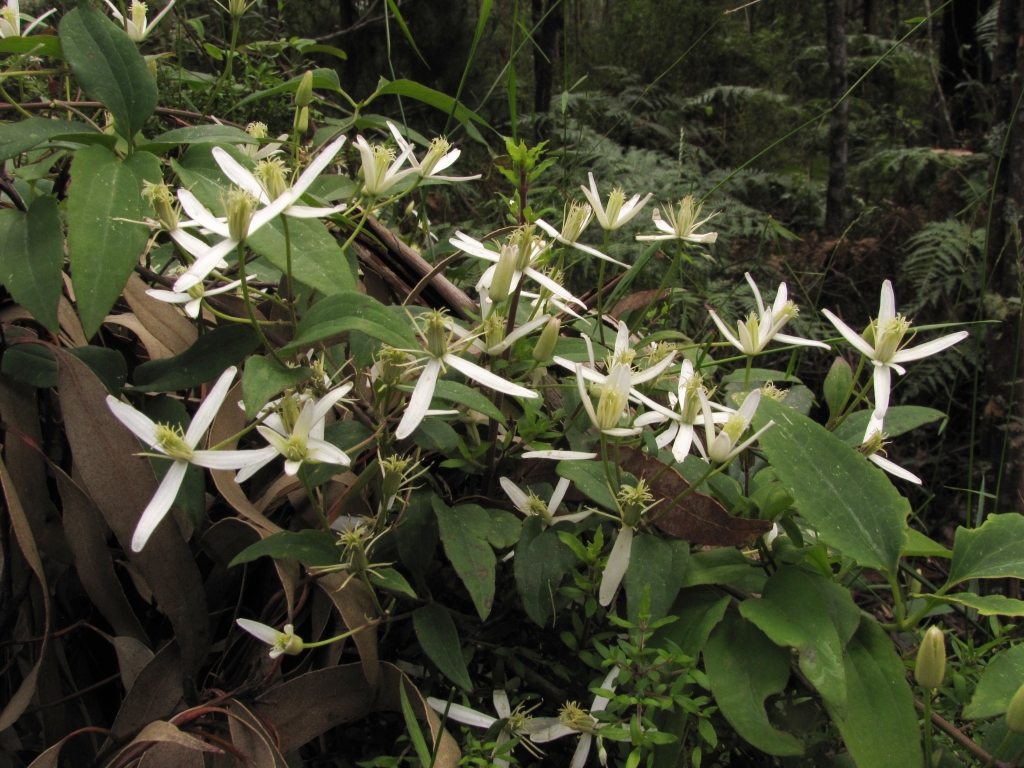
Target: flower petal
[
  {"x": 893, "y": 468},
  {"x": 887, "y": 304},
  {"x": 169, "y": 297},
  {"x": 683, "y": 443},
  {"x": 560, "y": 455},
  {"x": 726, "y": 332},
  {"x": 501, "y": 705},
  {"x": 326, "y": 453},
  {"x": 211, "y": 405},
  {"x": 461, "y": 714},
  {"x": 419, "y": 402},
  {"x": 318, "y": 166},
  {"x": 201, "y": 214},
  {"x": 233, "y": 459},
  {"x": 929, "y": 348},
  {"x": 850, "y": 335},
  {"x": 757, "y": 293},
  {"x": 485, "y": 377},
  {"x": 787, "y": 339},
  {"x": 558, "y": 495},
  {"x": 138, "y": 423},
  {"x": 239, "y": 175},
  {"x": 882, "y": 381},
  {"x": 262, "y": 632},
  {"x": 618, "y": 563},
  {"x": 159, "y": 505}
]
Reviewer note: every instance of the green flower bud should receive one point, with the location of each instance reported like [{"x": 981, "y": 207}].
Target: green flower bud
[
  {"x": 546, "y": 343},
  {"x": 501, "y": 281},
  {"x": 301, "y": 123},
  {"x": 1015, "y": 712},
  {"x": 304, "y": 93},
  {"x": 931, "y": 661}
]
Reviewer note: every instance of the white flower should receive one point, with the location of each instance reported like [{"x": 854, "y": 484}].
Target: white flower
[
  {"x": 680, "y": 433},
  {"x": 887, "y": 333},
  {"x": 681, "y": 223},
  {"x": 618, "y": 211},
  {"x": 759, "y": 329},
  {"x": 560, "y": 455},
  {"x": 172, "y": 444},
  {"x": 872, "y": 448},
  {"x": 136, "y": 25},
  {"x": 381, "y": 169},
  {"x": 242, "y": 217},
  {"x": 532, "y": 504},
  {"x": 258, "y": 130},
  {"x": 526, "y": 251},
  {"x": 286, "y": 642},
  {"x": 193, "y": 297},
  {"x": 518, "y": 723},
  {"x": 297, "y": 433},
  {"x": 436, "y": 336},
  {"x": 574, "y": 720},
  {"x": 576, "y": 219},
  {"x": 722, "y": 447},
  {"x": 439, "y": 157},
  {"x": 11, "y": 18}
]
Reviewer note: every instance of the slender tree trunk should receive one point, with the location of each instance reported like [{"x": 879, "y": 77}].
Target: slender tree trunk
[
  {"x": 546, "y": 51},
  {"x": 839, "y": 120},
  {"x": 1003, "y": 416},
  {"x": 869, "y": 17}
]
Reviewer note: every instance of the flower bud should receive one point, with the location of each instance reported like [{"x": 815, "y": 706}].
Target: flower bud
[
  {"x": 548, "y": 338},
  {"x": 237, "y": 8},
  {"x": 437, "y": 151},
  {"x": 931, "y": 661},
  {"x": 501, "y": 280},
  {"x": 240, "y": 207},
  {"x": 1015, "y": 712},
  {"x": 838, "y": 384},
  {"x": 304, "y": 93},
  {"x": 301, "y": 122}
]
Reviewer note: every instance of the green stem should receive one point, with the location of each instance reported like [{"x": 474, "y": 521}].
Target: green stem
[
  {"x": 289, "y": 294},
  {"x": 248, "y": 305},
  {"x": 661, "y": 287},
  {"x": 600, "y": 288},
  {"x": 362, "y": 221},
  {"x": 373, "y": 593},
  {"x": 328, "y": 641},
  {"x": 13, "y": 103},
  {"x": 613, "y": 487},
  {"x": 227, "y": 67},
  {"x": 312, "y": 499},
  {"x": 928, "y": 729},
  {"x": 746, "y": 375}
]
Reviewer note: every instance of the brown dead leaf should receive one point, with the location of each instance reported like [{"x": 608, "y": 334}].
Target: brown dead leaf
[
  {"x": 356, "y": 607},
  {"x": 698, "y": 519},
  {"x": 251, "y": 738},
  {"x": 122, "y": 484},
  {"x": 448, "y": 754},
  {"x": 162, "y": 731},
  {"x": 157, "y": 350},
  {"x": 155, "y": 694},
  {"x": 88, "y": 542},
  {"x": 167, "y": 755},
  {"x": 637, "y": 300},
  {"x": 132, "y": 658},
  {"x": 164, "y": 321},
  {"x": 70, "y": 324}
]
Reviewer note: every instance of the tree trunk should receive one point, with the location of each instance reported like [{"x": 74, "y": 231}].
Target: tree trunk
[
  {"x": 546, "y": 50},
  {"x": 839, "y": 120},
  {"x": 1004, "y": 397},
  {"x": 869, "y": 17},
  {"x": 961, "y": 59}
]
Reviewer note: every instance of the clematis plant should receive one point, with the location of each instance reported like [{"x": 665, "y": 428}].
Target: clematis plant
[
  {"x": 11, "y": 18},
  {"x": 439, "y": 156},
  {"x": 618, "y": 211},
  {"x": 721, "y": 444},
  {"x": 136, "y": 24},
  {"x": 533, "y": 505},
  {"x": 681, "y": 223},
  {"x": 382, "y": 169},
  {"x": 193, "y": 297}
]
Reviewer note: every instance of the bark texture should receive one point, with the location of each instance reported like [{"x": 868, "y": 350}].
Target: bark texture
[{"x": 839, "y": 120}]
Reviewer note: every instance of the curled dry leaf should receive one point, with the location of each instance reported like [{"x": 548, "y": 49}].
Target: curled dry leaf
[
  {"x": 122, "y": 483},
  {"x": 637, "y": 300},
  {"x": 356, "y": 607},
  {"x": 156, "y": 349},
  {"x": 698, "y": 519},
  {"x": 164, "y": 321},
  {"x": 155, "y": 694}
]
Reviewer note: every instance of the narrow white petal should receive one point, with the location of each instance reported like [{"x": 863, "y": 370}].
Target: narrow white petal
[
  {"x": 757, "y": 293},
  {"x": 190, "y": 243},
  {"x": 575, "y": 517},
  {"x": 239, "y": 175},
  {"x": 544, "y": 729},
  {"x": 485, "y": 377},
  {"x": 597, "y": 253},
  {"x": 683, "y": 443},
  {"x": 267, "y": 455},
  {"x": 138, "y": 423},
  {"x": 169, "y": 297},
  {"x": 850, "y": 335},
  {"x": 211, "y": 405},
  {"x": 199, "y": 212},
  {"x": 268, "y": 635},
  {"x": 780, "y": 299},
  {"x": 193, "y": 307},
  {"x": 750, "y": 440},
  {"x": 787, "y": 339},
  {"x": 279, "y": 442},
  {"x": 882, "y": 387},
  {"x": 887, "y": 304},
  {"x": 726, "y": 332},
  {"x": 291, "y": 467},
  {"x": 584, "y": 395},
  {"x": 590, "y": 351},
  {"x": 501, "y": 705},
  {"x": 304, "y": 423},
  {"x": 318, "y": 166},
  {"x": 667, "y": 435},
  {"x": 651, "y": 238},
  {"x": 447, "y": 162},
  {"x": 579, "y": 757},
  {"x": 622, "y": 432},
  {"x": 929, "y": 348},
  {"x": 223, "y": 289},
  {"x": 651, "y": 417},
  {"x": 233, "y": 459},
  {"x": 551, "y": 231},
  {"x": 461, "y": 714},
  {"x": 204, "y": 265},
  {"x": 418, "y": 404},
  {"x": 893, "y": 468},
  {"x": 327, "y": 453},
  {"x": 600, "y": 702},
  {"x": 654, "y": 371},
  {"x": 654, "y": 406},
  {"x": 524, "y": 330},
  {"x": 558, "y": 495},
  {"x": 327, "y": 402},
  {"x": 560, "y": 455},
  {"x": 159, "y": 504},
  {"x": 552, "y": 286},
  {"x": 618, "y": 563},
  {"x": 515, "y": 494}
]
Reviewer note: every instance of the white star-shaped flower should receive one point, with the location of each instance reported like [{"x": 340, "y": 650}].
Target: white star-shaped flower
[
  {"x": 136, "y": 25},
  {"x": 618, "y": 211}
]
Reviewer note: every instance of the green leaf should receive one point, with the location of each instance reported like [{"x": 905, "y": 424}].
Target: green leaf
[
  {"x": 454, "y": 392},
  {"x": 880, "y": 726},
  {"x": 590, "y": 480},
  {"x": 105, "y": 250},
  {"x": 917, "y": 544},
  {"x": 203, "y": 134},
  {"x": 433, "y": 434},
  {"x": 309, "y": 547},
  {"x": 999, "y": 682},
  {"x": 351, "y": 311},
  {"x": 505, "y": 529},
  {"x": 16, "y": 138},
  {"x": 541, "y": 562},
  {"x": 659, "y": 565},
  {"x": 204, "y": 361},
  {"x": 109, "y": 68},
  {"x": 899, "y": 419},
  {"x": 435, "y": 99},
  {"x": 344, "y": 434},
  {"x": 745, "y": 667},
  {"x": 263, "y": 378},
  {"x": 323, "y": 80},
  {"x": 440, "y": 641},
  {"x": 392, "y": 580},
  {"x": 32, "y": 258},
  {"x": 32, "y": 364},
  {"x": 814, "y": 615},
  {"x": 405, "y": 30},
  {"x": 986, "y": 605},
  {"x": 318, "y": 48},
  {"x": 698, "y": 611},
  {"x": 37, "y": 45},
  {"x": 848, "y": 500},
  {"x": 416, "y": 534},
  {"x": 317, "y": 259},
  {"x": 993, "y": 551},
  {"x": 717, "y": 566},
  {"x": 191, "y": 498},
  {"x": 109, "y": 366},
  {"x": 415, "y": 734},
  {"x": 464, "y": 533}
]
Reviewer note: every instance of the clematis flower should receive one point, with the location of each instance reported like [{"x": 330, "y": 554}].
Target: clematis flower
[
  {"x": 258, "y": 130},
  {"x": 281, "y": 643},
  {"x": 680, "y": 433},
  {"x": 886, "y": 334},
  {"x": 721, "y": 447},
  {"x": 633, "y": 501},
  {"x": 244, "y": 217},
  {"x": 11, "y": 18},
  {"x": 758, "y": 330},
  {"x": 169, "y": 220},
  {"x": 618, "y": 211},
  {"x": 193, "y": 297},
  {"x": 533, "y": 505},
  {"x": 297, "y": 432},
  {"x": 170, "y": 443},
  {"x": 681, "y": 223},
  {"x": 572, "y": 719},
  {"x": 437, "y": 334},
  {"x": 873, "y": 446},
  {"x": 137, "y": 26},
  {"x": 560, "y": 455},
  {"x": 577, "y": 217},
  {"x": 439, "y": 157},
  {"x": 518, "y": 722},
  {"x": 381, "y": 168}
]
